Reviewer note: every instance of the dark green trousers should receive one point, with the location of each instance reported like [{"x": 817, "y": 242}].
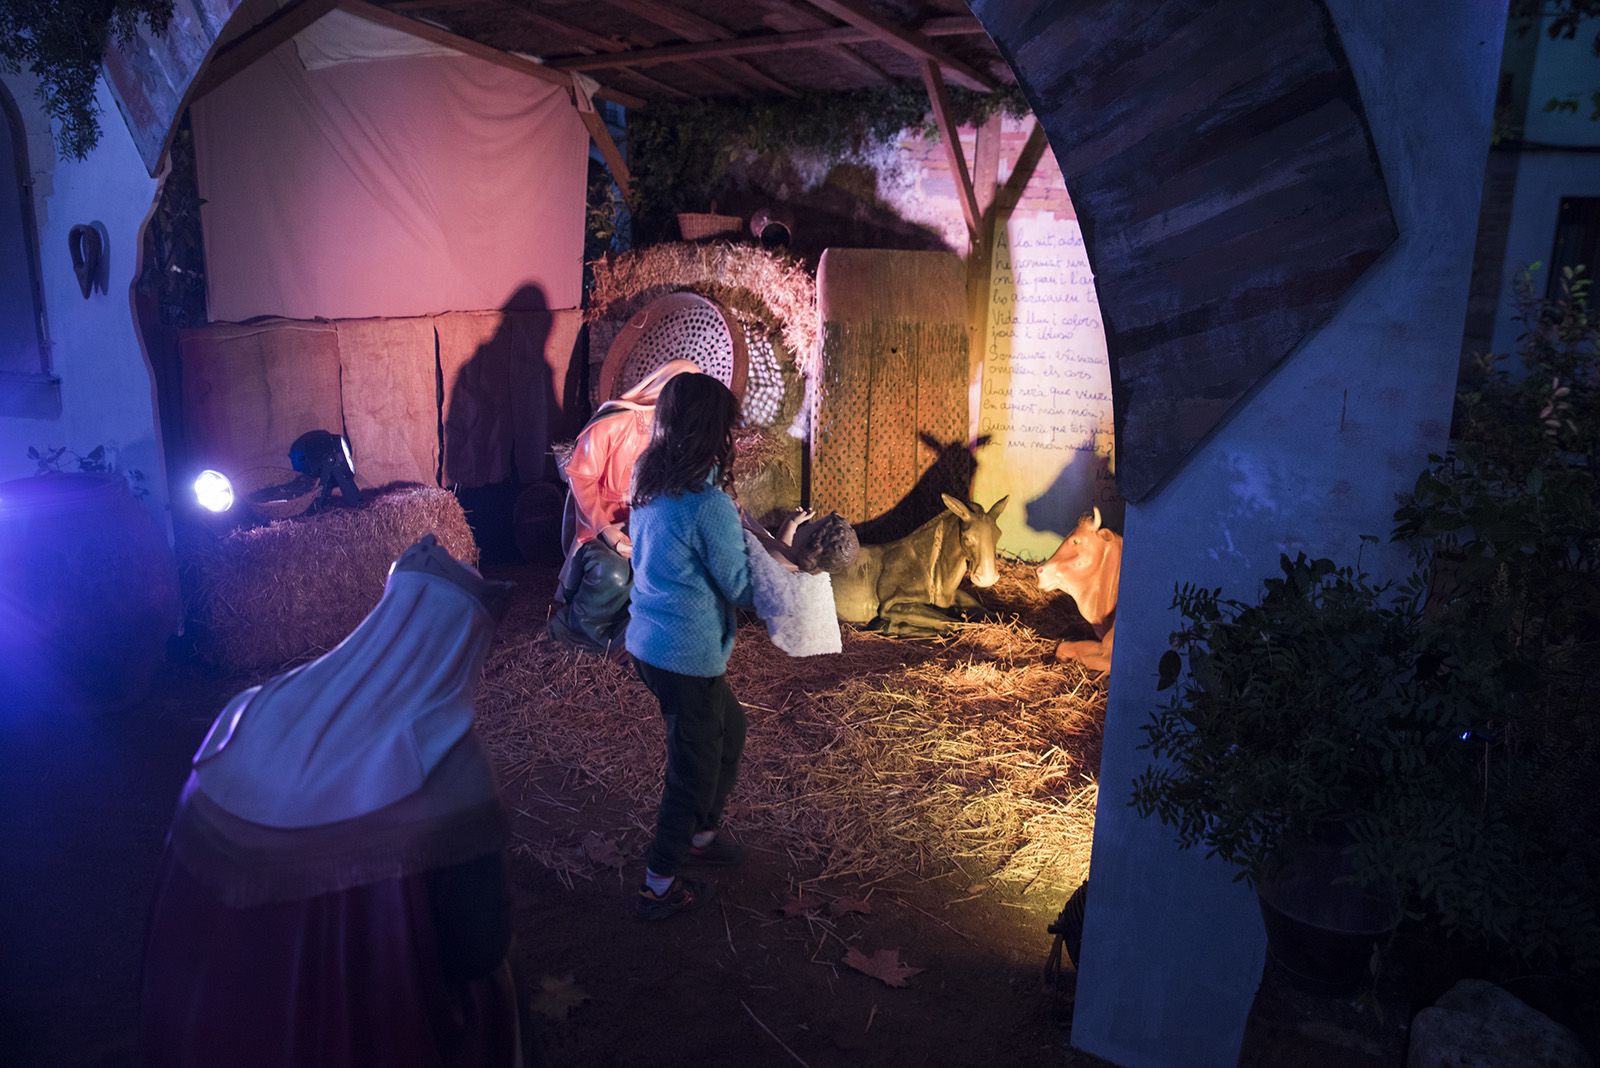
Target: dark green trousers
[
  {"x": 592, "y": 598},
  {"x": 705, "y": 739}
]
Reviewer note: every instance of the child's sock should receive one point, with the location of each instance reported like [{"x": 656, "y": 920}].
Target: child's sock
[
  {"x": 702, "y": 839},
  {"x": 658, "y": 884}
]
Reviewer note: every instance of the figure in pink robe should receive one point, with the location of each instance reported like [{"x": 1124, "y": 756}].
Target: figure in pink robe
[{"x": 597, "y": 577}]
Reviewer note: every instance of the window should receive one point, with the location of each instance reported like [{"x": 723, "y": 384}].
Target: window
[
  {"x": 1577, "y": 240},
  {"x": 21, "y": 335}
]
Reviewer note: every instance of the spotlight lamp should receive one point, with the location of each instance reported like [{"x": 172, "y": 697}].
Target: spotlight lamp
[
  {"x": 327, "y": 458},
  {"x": 213, "y": 491}
]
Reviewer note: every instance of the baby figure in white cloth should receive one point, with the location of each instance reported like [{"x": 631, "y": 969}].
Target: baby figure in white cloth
[{"x": 789, "y": 577}]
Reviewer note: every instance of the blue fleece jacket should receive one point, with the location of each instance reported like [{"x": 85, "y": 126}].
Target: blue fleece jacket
[{"x": 689, "y": 573}]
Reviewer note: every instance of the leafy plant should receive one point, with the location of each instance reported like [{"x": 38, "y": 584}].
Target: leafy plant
[
  {"x": 1449, "y": 722},
  {"x": 1314, "y": 705},
  {"x": 172, "y": 271},
  {"x": 682, "y": 152},
  {"x": 62, "y": 42},
  {"x": 100, "y": 460},
  {"x": 1510, "y": 523}
]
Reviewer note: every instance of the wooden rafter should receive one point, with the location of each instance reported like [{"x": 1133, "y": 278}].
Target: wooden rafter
[
  {"x": 585, "y": 41},
  {"x": 694, "y": 28},
  {"x": 595, "y": 123},
  {"x": 908, "y": 41},
  {"x": 242, "y": 51},
  {"x": 591, "y": 120},
  {"x": 477, "y": 49},
  {"x": 933, "y": 79},
  {"x": 790, "y": 15},
  {"x": 767, "y": 42},
  {"x": 1022, "y": 170}
]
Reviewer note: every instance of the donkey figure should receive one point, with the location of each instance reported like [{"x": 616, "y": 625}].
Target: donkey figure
[{"x": 910, "y": 585}]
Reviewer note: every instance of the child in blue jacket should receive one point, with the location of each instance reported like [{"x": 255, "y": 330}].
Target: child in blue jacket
[{"x": 690, "y": 573}]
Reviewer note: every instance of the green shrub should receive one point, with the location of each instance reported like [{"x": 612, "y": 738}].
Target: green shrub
[{"x": 1448, "y": 722}]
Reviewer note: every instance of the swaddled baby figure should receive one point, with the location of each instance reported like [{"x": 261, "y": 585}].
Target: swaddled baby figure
[{"x": 789, "y": 579}]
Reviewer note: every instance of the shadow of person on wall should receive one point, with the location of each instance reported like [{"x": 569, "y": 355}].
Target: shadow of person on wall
[
  {"x": 955, "y": 463},
  {"x": 501, "y": 408}
]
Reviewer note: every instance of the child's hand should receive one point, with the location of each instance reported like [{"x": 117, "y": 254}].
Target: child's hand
[{"x": 791, "y": 523}]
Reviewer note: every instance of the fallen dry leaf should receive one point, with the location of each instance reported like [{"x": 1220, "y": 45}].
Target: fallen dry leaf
[
  {"x": 602, "y": 851},
  {"x": 557, "y": 997},
  {"x": 883, "y": 966},
  {"x": 797, "y": 906},
  {"x": 841, "y": 906}
]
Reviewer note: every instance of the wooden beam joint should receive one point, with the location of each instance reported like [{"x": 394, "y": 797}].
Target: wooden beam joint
[{"x": 933, "y": 80}]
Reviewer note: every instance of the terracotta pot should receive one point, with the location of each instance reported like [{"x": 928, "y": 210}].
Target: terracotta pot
[{"x": 88, "y": 593}]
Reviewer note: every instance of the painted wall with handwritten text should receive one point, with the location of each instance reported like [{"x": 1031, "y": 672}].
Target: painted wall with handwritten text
[{"x": 1044, "y": 388}]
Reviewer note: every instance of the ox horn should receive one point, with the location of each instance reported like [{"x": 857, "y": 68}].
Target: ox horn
[{"x": 1095, "y": 523}]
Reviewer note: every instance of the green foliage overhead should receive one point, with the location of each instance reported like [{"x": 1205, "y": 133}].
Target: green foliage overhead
[
  {"x": 62, "y": 43},
  {"x": 680, "y": 153}
]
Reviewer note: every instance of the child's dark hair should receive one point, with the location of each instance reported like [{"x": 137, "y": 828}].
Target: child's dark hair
[
  {"x": 693, "y": 435},
  {"x": 832, "y": 546}
]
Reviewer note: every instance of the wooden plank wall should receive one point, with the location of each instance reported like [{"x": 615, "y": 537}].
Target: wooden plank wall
[
  {"x": 1227, "y": 187},
  {"x": 892, "y": 399}
]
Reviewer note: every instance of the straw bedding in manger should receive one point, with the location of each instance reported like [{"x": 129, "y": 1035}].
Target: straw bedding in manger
[
  {"x": 262, "y": 597},
  {"x": 973, "y": 754}
]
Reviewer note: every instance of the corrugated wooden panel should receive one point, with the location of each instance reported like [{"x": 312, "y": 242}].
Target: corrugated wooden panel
[
  {"x": 892, "y": 422},
  {"x": 839, "y": 436},
  {"x": 1221, "y": 167},
  {"x": 892, "y": 399}
]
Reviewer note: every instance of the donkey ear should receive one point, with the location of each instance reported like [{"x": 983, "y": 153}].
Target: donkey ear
[
  {"x": 999, "y": 506},
  {"x": 957, "y": 506}
]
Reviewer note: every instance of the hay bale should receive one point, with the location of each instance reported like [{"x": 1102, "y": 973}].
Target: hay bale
[
  {"x": 773, "y": 287},
  {"x": 263, "y": 597}
]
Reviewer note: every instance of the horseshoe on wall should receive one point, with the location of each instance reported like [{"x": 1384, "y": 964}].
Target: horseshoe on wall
[{"x": 88, "y": 244}]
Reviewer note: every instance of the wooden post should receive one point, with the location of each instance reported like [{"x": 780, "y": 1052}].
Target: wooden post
[
  {"x": 980, "y": 260},
  {"x": 933, "y": 79}
]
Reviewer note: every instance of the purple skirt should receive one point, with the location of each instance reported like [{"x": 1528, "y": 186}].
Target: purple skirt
[{"x": 351, "y": 976}]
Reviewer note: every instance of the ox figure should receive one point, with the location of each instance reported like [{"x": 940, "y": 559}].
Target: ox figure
[
  {"x": 912, "y": 584},
  {"x": 1086, "y": 568}
]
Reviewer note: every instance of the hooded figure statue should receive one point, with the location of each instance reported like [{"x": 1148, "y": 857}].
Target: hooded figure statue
[
  {"x": 332, "y": 890},
  {"x": 597, "y": 578}
]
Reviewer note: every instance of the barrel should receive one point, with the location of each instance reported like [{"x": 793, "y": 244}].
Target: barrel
[{"x": 88, "y": 593}]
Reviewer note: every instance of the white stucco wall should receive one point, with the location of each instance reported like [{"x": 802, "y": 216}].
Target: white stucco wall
[
  {"x": 1543, "y": 180},
  {"x": 106, "y": 390},
  {"x": 1565, "y": 70},
  {"x": 1174, "y": 948}
]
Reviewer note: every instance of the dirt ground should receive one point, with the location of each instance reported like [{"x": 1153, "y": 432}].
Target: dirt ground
[{"x": 86, "y": 803}]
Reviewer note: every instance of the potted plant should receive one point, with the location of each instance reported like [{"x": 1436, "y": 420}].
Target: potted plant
[
  {"x": 88, "y": 586},
  {"x": 1309, "y": 740}
]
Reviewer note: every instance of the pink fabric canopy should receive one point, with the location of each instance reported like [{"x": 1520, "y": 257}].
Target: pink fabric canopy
[{"x": 395, "y": 187}]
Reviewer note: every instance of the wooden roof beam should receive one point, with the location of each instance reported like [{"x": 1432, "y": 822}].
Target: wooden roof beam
[
  {"x": 239, "y": 53},
  {"x": 740, "y": 46},
  {"x": 477, "y": 49},
  {"x": 587, "y": 41},
  {"x": 693, "y": 28},
  {"x": 910, "y": 42},
  {"x": 592, "y": 121},
  {"x": 933, "y": 79}
]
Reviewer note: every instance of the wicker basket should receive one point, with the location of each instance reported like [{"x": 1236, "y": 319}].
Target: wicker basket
[{"x": 699, "y": 226}]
